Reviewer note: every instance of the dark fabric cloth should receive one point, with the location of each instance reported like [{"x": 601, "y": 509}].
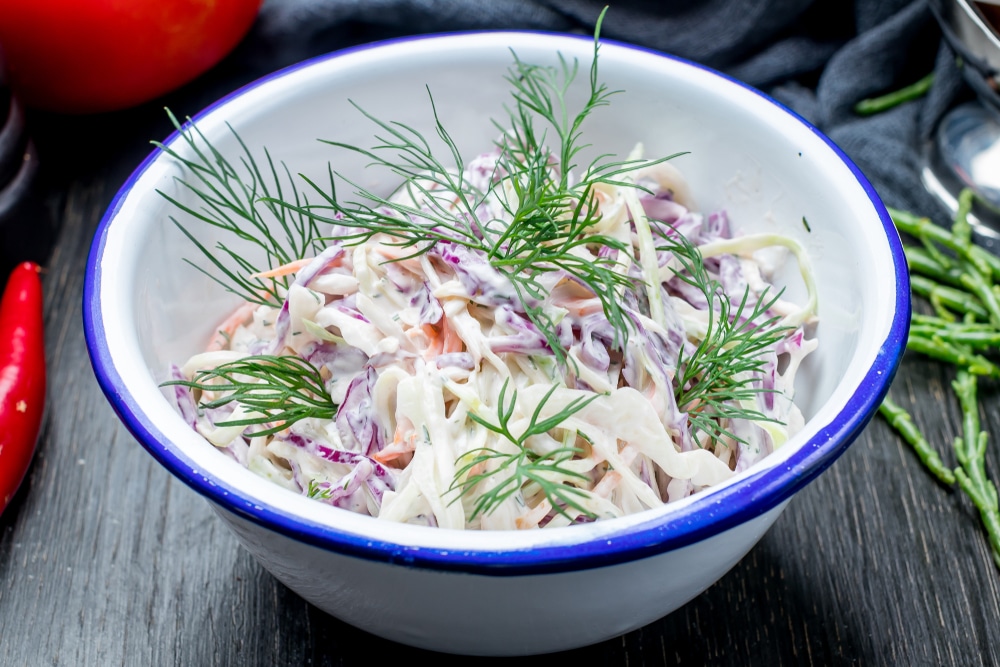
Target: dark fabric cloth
[{"x": 818, "y": 57}]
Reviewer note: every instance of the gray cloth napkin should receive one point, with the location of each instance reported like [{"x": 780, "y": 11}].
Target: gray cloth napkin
[{"x": 818, "y": 57}]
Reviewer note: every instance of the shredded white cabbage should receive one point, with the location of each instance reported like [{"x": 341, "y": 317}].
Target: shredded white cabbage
[{"x": 413, "y": 349}]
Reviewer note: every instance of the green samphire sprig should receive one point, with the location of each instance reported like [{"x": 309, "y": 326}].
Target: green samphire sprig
[{"x": 958, "y": 279}]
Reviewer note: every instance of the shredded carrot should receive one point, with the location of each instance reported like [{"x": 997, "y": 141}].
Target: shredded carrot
[
  {"x": 417, "y": 335},
  {"x": 435, "y": 341},
  {"x": 452, "y": 341},
  {"x": 396, "y": 254},
  {"x": 581, "y": 307},
  {"x": 531, "y": 518},
  {"x": 608, "y": 483},
  {"x": 224, "y": 333},
  {"x": 393, "y": 452},
  {"x": 283, "y": 270},
  {"x": 477, "y": 469},
  {"x": 403, "y": 442}
]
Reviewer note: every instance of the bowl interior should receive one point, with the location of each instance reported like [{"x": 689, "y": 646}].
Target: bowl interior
[{"x": 767, "y": 169}]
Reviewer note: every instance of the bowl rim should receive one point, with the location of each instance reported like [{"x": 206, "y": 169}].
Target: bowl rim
[{"x": 708, "y": 514}]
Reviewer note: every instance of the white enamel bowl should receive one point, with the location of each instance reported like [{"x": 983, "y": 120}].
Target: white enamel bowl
[{"x": 510, "y": 592}]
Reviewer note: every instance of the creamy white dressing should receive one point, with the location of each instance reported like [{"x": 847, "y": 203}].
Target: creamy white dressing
[{"x": 429, "y": 329}]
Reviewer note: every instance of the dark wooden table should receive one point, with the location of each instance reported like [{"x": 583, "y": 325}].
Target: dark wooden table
[{"x": 106, "y": 559}]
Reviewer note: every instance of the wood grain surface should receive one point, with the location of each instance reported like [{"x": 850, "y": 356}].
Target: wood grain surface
[{"x": 105, "y": 559}]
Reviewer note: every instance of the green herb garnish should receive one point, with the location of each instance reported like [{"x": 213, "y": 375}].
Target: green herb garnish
[
  {"x": 550, "y": 217},
  {"x": 524, "y": 466},
  {"x": 275, "y": 391},
  {"x": 318, "y": 492},
  {"x": 243, "y": 209},
  {"x": 547, "y": 225},
  {"x": 716, "y": 382}
]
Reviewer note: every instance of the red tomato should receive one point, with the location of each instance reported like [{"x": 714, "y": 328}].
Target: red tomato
[{"x": 100, "y": 55}]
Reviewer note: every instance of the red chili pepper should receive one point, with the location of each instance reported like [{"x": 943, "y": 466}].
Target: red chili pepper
[{"x": 22, "y": 375}]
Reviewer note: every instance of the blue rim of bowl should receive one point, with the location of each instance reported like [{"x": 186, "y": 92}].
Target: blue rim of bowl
[{"x": 711, "y": 513}]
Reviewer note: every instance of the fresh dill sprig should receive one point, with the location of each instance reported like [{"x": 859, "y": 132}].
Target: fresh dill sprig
[
  {"x": 515, "y": 470},
  {"x": 318, "y": 492},
  {"x": 716, "y": 382},
  {"x": 245, "y": 206},
  {"x": 272, "y": 390},
  {"x": 548, "y": 218},
  {"x": 450, "y": 201}
]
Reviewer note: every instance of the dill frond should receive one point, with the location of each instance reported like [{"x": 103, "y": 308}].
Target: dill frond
[
  {"x": 244, "y": 205},
  {"x": 716, "y": 382},
  {"x": 276, "y": 391},
  {"x": 525, "y": 465}
]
